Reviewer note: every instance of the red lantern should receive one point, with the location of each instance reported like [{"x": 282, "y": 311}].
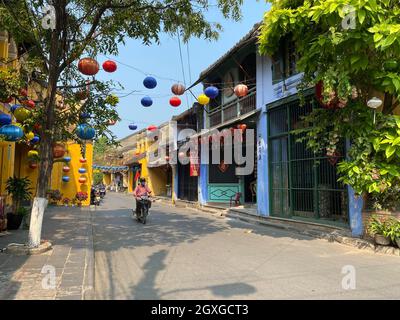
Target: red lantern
[
  {"x": 58, "y": 150},
  {"x": 37, "y": 127},
  {"x": 66, "y": 169},
  {"x": 178, "y": 89},
  {"x": 23, "y": 92},
  {"x": 111, "y": 122},
  {"x": 88, "y": 66},
  {"x": 33, "y": 165},
  {"x": 30, "y": 103},
  {"x": 152, "y": 128},
  {"x": 82, "y": 160},
  {"x": 241, "y": 90},
  {"x": 175, "y": 102},
  {"x": 7, "y": 100},
  {"x": 242, "y": 127},
  {"x": 82, "y": 180},
  {"x": 109, "y": 66}
]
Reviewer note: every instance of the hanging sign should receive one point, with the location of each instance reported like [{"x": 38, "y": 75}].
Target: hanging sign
[{"x": 194, "y": 163}]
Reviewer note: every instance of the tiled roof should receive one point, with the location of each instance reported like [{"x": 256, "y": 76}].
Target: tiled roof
[{"x": 248, "y": 38}]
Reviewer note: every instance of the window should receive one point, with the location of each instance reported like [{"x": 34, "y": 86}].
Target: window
[{"x": 284, "y": 62}]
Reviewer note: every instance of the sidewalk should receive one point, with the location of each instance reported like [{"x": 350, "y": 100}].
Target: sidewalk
[
  {"x": 330, "y": 233},
  {"x": 71, "y": 260}
]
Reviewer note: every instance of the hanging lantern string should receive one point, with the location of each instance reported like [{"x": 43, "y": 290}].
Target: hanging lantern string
[
  {"x": 163, "y": 95},
  {"x": 251, "y": 81},
  {"x": 141, "y": 71}
]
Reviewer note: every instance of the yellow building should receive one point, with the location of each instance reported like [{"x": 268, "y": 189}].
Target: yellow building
[
  {"x": 134, "y": 152},
  {"x": 14, "y": 155}
]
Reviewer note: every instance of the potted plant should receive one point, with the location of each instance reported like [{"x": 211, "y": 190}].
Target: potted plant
[
  {"x": 393, "y": 232},
  {"x": 20, "y": 190},
  {"x": 379, "y": 230},
  {"x": 55, "y": 196},
  {"x": 80, "y": 197},
  {"x": 66, "y": 201}
]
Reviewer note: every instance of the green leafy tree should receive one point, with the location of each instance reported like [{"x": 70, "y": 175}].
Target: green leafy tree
[
  {"x": 352, "y": 49},
  {"x": 87, "y": 28}
]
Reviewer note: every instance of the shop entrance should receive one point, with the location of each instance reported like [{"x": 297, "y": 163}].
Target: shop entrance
[{"x": 302, "y": 184}]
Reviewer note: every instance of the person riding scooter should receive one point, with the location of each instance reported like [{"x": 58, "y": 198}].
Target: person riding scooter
[{"x": 141, "y": 190}]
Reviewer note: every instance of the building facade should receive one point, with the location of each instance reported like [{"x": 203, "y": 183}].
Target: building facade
[{"x": 14, "y": 159}]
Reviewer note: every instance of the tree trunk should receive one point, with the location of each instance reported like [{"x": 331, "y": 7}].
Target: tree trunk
[
  {"x": 46, "y": 145},
  {"x": 388, "y": 104}
]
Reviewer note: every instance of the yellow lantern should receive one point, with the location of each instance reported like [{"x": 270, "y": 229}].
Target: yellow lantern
[
  {"x": 203, "y": 99},
  {"x": 21, "y": 114},
  {"x": 29, "y": 136},
  {"x": 33, "y": 154}
]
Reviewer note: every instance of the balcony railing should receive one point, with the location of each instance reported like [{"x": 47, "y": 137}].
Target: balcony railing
[{"x": 233, "y": 109}]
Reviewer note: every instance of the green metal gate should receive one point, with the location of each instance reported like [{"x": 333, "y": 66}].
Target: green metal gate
[{"x": 302, "y": 184}]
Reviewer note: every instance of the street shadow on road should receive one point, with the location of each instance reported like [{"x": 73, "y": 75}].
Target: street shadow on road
[
  {"x": 146, "y": 287},
  {"x": 118, "y": 229}
]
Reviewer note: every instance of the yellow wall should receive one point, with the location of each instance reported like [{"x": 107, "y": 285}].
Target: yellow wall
[
  {"x": 107, "y": 178},
  {"x": 69, "y": 189},
  {"x": 7, "y": 149},
  {"x": 14, "y": 160},
  {"x": 156, "y": 177}
]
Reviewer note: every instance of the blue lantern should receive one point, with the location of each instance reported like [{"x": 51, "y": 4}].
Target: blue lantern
[
  {"x": 85, "y": 115},
  {"x": 85, "y": 132},
  {"x": 146, "y": 102},
  {"x": 35, "y": 139},
  {"x": 67, "y": 159},
  {"x": 150, "y": 82},
  {"x": 132, "y": 126},
  {"x": 65, "y": 178},
  {"x": 211, "y": 92},
  {"x": 82, "y": 170},
  {"x": 14, "y": 107},
  {"x": 5, "y": 119},
  {"x": 11, "y": 132}
]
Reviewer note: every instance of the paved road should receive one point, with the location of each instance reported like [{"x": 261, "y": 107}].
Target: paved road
[{"x": 186, "y": 254}]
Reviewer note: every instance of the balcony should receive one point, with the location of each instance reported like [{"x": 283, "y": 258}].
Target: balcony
[{"x": 233, "y": 109}]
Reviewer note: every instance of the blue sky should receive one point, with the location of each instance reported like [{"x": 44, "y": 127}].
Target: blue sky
[{"x": 164, "y": 61}]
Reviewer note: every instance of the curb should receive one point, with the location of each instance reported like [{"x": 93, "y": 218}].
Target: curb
[
  {"x": 334, "y": 236},
  {"x": 88, "y": 279},
  {"x": 22, "y": 249}
]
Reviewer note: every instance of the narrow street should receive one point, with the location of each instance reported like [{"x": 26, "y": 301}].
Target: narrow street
[{"x": 187, "y": 254}]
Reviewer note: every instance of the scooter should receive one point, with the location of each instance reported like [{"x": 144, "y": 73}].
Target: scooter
[
  {"x": 141, "y": 216},
  {"x": 102, "y": 191}
]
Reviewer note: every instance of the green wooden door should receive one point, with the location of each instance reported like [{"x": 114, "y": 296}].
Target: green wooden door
[{"x": 302, "y": 184}]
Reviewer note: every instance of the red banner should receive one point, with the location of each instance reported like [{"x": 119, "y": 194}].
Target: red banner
[{"x": 194, "y": 164}]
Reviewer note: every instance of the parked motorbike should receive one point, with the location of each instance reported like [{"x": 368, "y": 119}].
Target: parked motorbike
[
  {"x": 102, "y": 190},
  {"x": 95, "y": 197},
  {"x": 144, "y": 203}
]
